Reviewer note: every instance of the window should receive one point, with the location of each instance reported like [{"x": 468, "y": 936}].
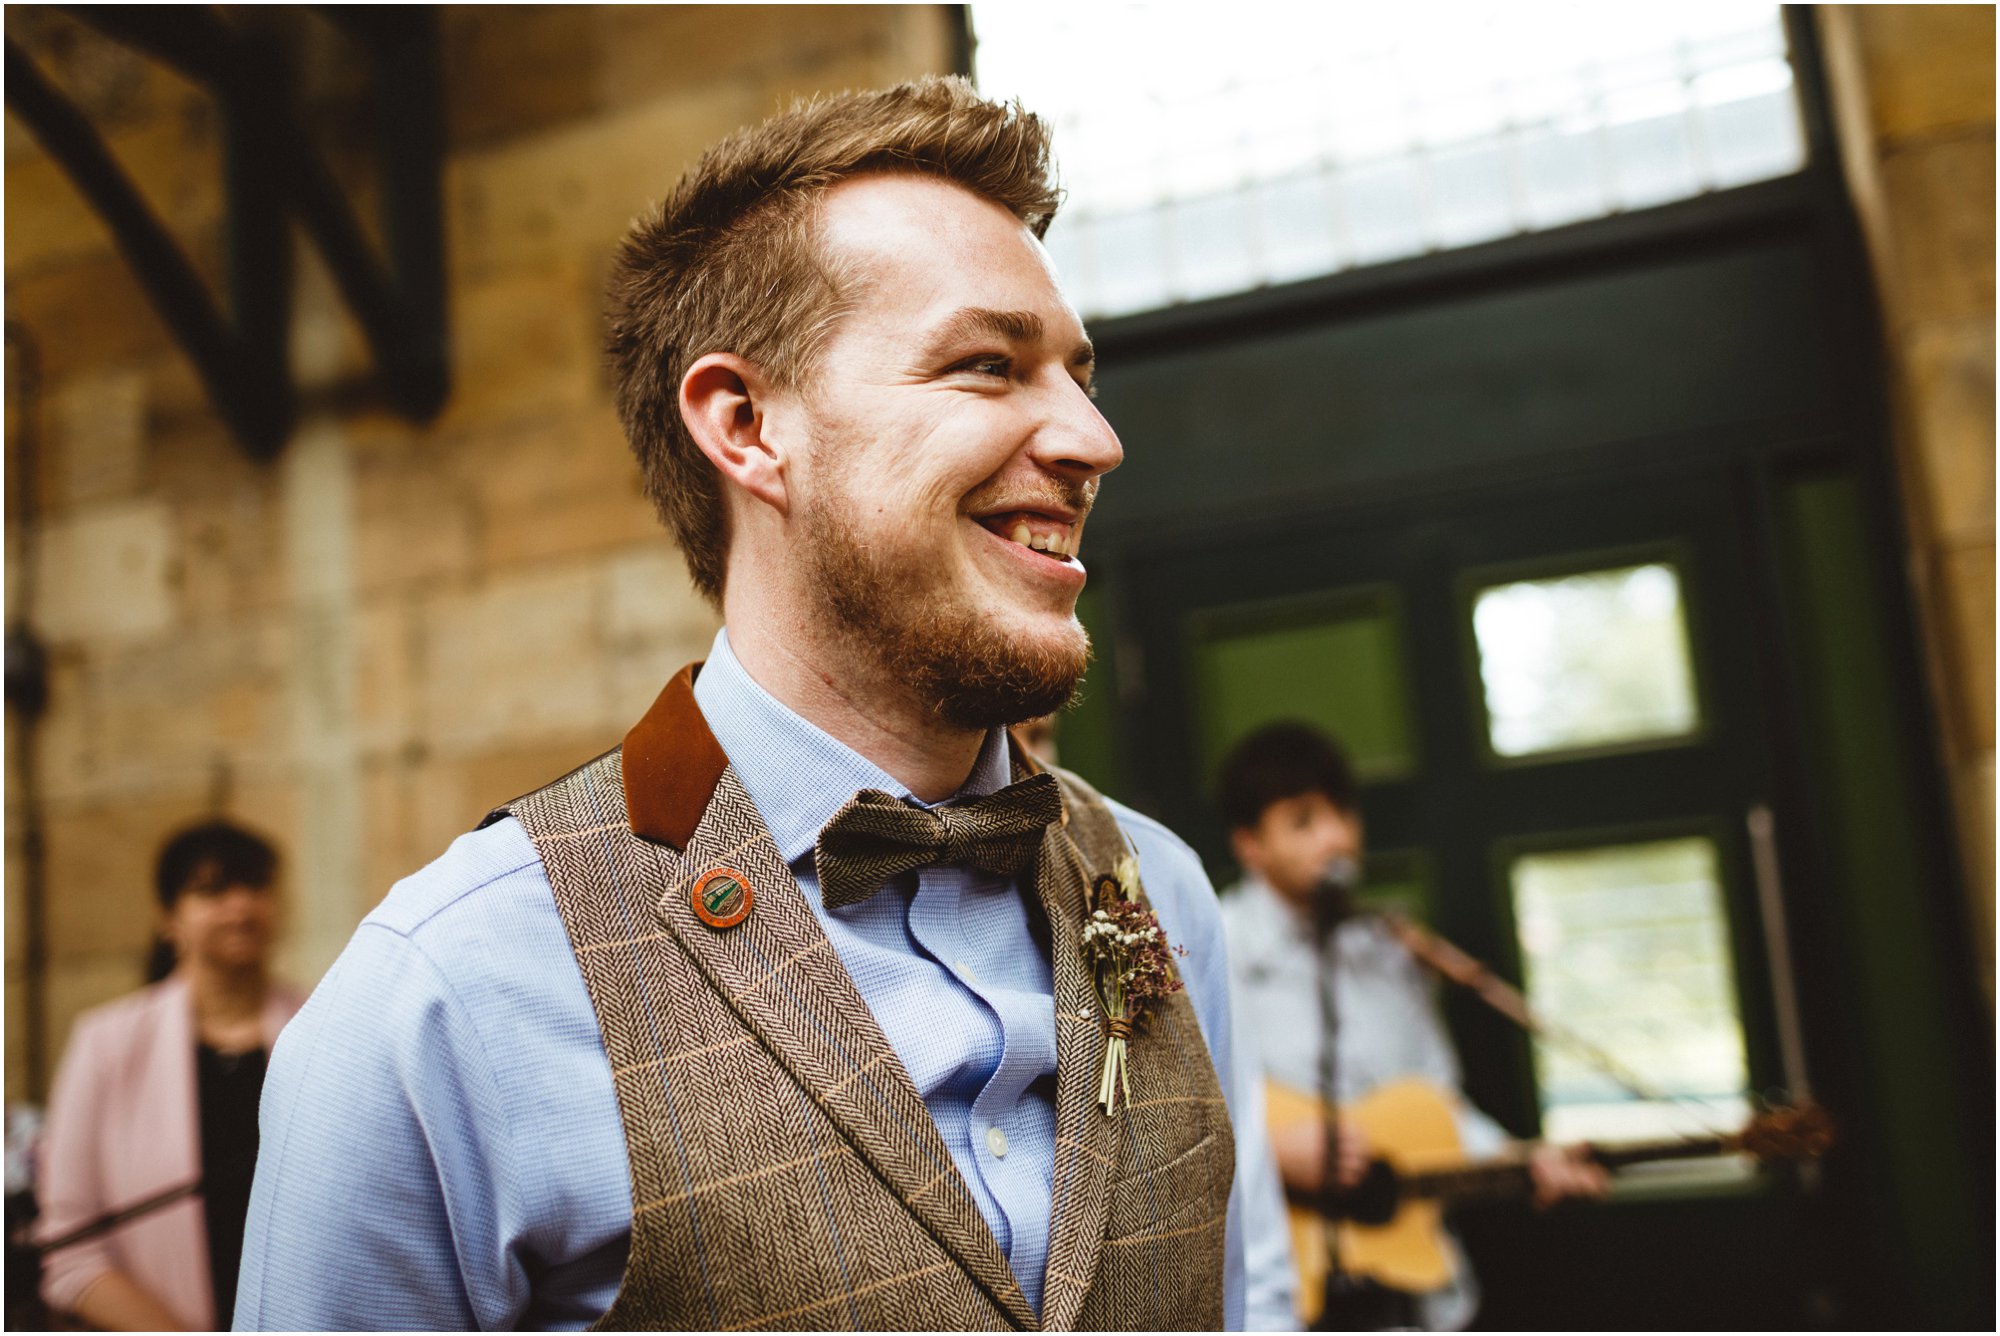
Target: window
[
  {"x": 1592, "y": 660},
  {"x": 1212, "y": 149},
  {"x": 1626, "y": 946},
  {"x": 1335, "y": 661}
]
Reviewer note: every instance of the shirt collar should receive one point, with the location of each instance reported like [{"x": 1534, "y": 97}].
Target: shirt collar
[{"x": 796, "y": 773}]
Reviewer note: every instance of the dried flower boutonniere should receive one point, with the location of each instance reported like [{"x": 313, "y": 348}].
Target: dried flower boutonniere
[{"x": 1133, "y": 966}]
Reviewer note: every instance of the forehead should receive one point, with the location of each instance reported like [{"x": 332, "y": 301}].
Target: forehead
[{"x": 924, "y": 248}]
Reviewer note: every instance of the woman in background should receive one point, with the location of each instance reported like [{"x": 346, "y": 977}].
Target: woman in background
[{"x": 159, "y": 1089}]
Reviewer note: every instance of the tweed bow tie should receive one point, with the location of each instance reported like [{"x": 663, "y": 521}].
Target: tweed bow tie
[{"x": 875, "y": 837}]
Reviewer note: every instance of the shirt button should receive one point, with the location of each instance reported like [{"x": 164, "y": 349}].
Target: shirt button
[
  {"x": 996, "y": 1141},
  {"x": 966, "y": 970}
]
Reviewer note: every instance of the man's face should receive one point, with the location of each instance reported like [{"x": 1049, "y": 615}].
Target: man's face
[
  {"x": 953, "y": 454},
  {"x": 1295, "y": 840}
]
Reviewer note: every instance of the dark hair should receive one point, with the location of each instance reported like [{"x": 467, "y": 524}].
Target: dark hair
[
  {"x": 1283, "y": 761},
  {"x": 218, "y": 851},
  {"x": 732, "y": 262}
]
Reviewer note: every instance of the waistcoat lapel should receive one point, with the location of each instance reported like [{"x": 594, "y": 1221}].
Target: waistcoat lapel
[
  {"x": 1084, "y": 1147},
  {"x": 778, "y": 971}
]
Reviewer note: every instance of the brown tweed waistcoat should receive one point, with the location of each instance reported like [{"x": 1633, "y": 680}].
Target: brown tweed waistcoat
[{"x": 785, "y": 1171}]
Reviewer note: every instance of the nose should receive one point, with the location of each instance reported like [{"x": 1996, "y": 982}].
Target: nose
[{"x": 1075, "y": 440}]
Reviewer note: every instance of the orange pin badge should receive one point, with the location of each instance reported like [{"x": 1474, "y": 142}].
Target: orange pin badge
[{"x": 722, "y": 897}]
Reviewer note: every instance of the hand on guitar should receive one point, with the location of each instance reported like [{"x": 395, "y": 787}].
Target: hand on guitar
[
  {"x": 1300, "y": 1146},
  {"x": 1565, "y": 1171}
]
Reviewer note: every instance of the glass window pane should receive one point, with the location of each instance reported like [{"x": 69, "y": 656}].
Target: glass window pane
[
  {"x": 1589, "y": 660},
  {"x": 1337, "y": 665},
  {"x": 1626, "y": 945},
  {"x": 1431, "y": 125}
]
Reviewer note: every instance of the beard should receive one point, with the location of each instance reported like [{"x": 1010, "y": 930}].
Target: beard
[{"x": 927, "y": 639}]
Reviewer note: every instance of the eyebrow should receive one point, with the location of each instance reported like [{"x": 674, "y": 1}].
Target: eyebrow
[{"x": 971, "y": 322}]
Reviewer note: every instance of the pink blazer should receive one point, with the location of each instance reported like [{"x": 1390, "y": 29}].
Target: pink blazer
[{"x": 123, "y": 1125}]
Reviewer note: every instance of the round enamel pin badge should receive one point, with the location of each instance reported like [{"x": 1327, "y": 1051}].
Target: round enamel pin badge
[{"x": 722, "y": 897}]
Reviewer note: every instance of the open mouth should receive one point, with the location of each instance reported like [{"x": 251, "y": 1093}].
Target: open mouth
[{"x": 1052, "y": 537}]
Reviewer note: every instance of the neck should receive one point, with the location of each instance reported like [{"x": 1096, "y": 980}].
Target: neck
[
  {"x": 226, "y": 994},
  {"x": 833, "y": 686}
]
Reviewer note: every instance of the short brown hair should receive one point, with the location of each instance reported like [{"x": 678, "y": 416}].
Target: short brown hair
[{"x": 731, "y": 262}]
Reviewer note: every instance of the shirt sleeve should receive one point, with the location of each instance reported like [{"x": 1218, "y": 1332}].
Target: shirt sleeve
[
  {"x": 383, "y": 1173},
  {"x": 70, "y": 1192},
  {"x": 1270, "y": 1280},
  {"x": 1257, "y": 1282}
]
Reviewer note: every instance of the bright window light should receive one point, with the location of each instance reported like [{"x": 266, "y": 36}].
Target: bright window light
[{"x": 1215, "y": 148}]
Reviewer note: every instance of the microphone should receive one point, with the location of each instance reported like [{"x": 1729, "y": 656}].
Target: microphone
[{"x": 1333, "y": 896}]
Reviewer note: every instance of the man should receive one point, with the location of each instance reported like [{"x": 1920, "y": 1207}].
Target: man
[
  {"x": 1289, "y": 797},
  {"x": 778, "y": 1015}
]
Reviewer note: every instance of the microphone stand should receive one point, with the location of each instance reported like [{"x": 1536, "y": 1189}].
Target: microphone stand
[{"x": 1350, "y": 1302}]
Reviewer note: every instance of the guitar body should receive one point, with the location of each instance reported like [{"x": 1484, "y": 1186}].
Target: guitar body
[{"x": 1411, "y": 1124}]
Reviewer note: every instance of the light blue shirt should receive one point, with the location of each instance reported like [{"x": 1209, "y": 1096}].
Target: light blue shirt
[{"x": 441, "y": 1145}]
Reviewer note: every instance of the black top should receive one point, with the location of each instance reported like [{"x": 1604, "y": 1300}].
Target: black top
[{"x": 229, "y": 1084}]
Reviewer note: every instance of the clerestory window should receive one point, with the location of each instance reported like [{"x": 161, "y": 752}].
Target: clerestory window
[{"x": 1218, "y": 148}]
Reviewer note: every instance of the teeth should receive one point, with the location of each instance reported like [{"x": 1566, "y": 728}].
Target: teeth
[{"x": 1061, "y": 543}]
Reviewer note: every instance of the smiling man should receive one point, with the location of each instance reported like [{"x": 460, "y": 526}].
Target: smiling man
[{"x": 780, "y": 1013}]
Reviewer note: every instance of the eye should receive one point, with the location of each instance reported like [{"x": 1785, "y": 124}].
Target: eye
[{"x": 987, "y": 364}]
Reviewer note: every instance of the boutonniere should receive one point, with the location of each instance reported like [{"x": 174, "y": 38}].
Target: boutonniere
[{"x": 1133, "y": 967}]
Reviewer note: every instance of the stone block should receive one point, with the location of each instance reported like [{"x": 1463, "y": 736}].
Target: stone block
[
  {"x": 85, "y": 314},
  {"x": 97, "y": 450},
  {"x": 1965, "y": 587},
  {"x": 1940, "y": 201},
  {"x": 556, "y": 488},
  {"x": 387, "y": 712},
  {"x": 67, "y": 737},
  {"x": 17, "y": 886},
  {"x": 1929, "y": 67},
  {"x": 19, "y": 1079},
  {"x": 514, "y": 661},
  {"x": 514, "y": 69},
  {"x": 100, "y": 870},
  {"x": 524, "y": 345},
  {"x": 560, "y": 197},
  {"x": 195, "y": 711},
  {"x": 389, "y": 798},
  {"x": 229, "y": 551},
  {"x": 415, "y": 519},
  {"x": 1949, "y": 370},
  {"x": 648, "y": 597},
  {"x": 651, "y": 49},
  {"x": 104, "y": 572},
  {"x": 501, "y": 775},
  {"x": 443, "y": 797}
]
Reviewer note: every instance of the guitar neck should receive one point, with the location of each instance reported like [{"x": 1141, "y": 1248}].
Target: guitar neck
[{"x": 1511, "y": 1177}]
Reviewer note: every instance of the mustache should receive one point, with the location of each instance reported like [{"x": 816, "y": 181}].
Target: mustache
[{"x": 1053, "y": 494}]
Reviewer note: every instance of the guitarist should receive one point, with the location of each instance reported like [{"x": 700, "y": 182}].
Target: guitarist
[{"x": 1288, "y": 794}]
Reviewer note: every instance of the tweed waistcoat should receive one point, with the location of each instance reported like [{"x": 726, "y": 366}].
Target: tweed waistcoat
[{"x": 785, "y": 1170}]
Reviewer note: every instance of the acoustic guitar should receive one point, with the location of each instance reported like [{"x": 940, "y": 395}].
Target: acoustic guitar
[{"x": 1395, "y": 1233}]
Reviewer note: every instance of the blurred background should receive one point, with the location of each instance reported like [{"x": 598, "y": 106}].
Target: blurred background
[{"x": 1585, "y": 412}]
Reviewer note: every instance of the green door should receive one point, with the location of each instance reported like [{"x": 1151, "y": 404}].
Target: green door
[{"x": 1551, "y": 696}]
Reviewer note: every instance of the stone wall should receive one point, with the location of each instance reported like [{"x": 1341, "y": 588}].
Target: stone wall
[
  {"x": 362, "y": 646},
  {"x": 1913, "y": 101}
]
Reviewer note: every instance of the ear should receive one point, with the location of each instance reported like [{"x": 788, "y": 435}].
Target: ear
[
  {"x": 722, "y": 401},
  {"x": 1249, "y": 850}
]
